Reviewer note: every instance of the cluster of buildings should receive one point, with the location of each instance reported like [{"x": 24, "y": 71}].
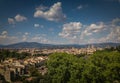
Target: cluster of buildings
[
  {"x": 89, "y": 50},
  {"x": 75, "y": 51},
  {"x": 11, "y": 68}
]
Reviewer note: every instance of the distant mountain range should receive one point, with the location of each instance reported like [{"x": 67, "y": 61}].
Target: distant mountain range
[{"x": 41, "y": 45}]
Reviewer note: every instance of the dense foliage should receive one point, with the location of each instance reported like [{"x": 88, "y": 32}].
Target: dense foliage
[
  {"x": 101, "y": 67},
  {"x": 4, "y": 54}
]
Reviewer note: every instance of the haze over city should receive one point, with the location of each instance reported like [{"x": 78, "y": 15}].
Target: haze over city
[{"x": 59, "y": 21}]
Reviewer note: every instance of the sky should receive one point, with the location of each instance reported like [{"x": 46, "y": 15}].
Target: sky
[{"x": 59, "y": 21}]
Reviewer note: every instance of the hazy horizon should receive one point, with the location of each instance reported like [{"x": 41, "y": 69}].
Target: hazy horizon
[{"x": 60, "y": 44}]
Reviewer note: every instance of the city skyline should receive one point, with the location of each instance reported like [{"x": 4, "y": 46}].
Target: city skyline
[{"x": 59, "y": 21}]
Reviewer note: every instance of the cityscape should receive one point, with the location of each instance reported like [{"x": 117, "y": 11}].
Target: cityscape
[{"x": 59, "y": 41}]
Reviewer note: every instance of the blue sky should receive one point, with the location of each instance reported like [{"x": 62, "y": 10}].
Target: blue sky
[{"x": 59, "y": 21}]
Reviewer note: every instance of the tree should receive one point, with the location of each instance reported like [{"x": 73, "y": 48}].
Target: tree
[
  {"x": 58, "y": 67},
  {"x": 118, "y": 48},
  {"x": 101, "y": 67}
]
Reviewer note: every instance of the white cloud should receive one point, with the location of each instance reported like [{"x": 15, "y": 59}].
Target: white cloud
[
  {"x": 25, "y": 36},
  {"x": 20, "y": 18},
  {"x": 36, "y": 25},
  {"x": 114, "y": 31},
  {"x": 116, "y": 21},
  {"x": 17, "y": 18},
  {"x": 26, "y": 33},
  {"x": 79, "y": 7},
  {"x": 70, "y": 30},
  {"x": 110, "y": 32},
  {"x": 41, "y": 7},
  {"x": 9, "y": 40},
  {"x": 53, "y": 14},
  {"x": 4, "y": 33},
  {"x": 40, "y": 38},
  {"x": 114, "y": 35},
  {"x": 111, "y": 37},
  {"x": 94, "y": 28},
  {"x": 6, "y": 39},
  {"x": 11, "y": 21}
]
